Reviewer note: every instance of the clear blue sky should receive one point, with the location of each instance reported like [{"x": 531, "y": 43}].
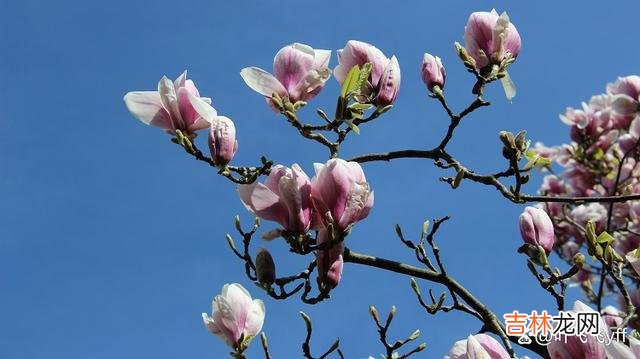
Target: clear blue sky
[{"x": 112, "y": 239}]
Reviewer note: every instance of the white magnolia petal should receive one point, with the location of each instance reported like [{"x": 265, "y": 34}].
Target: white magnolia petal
[
  {"x": 147, "y": 107},
  {"x": 262, "y": 82}
]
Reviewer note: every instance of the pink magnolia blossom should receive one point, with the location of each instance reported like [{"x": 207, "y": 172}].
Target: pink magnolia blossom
[
  {"x": 330, "y": 261},
  {"x": 235, "y": 315},
  {"x": 285, "y": 198},
  {"x": 171, "y": 107},
  {"x": 585, "y": 346},
  {"x": 626, "y": 95},
  {"x": 222, "y": 140},
  {"x": 432, "y": 72},
  {"x": 476, "y": 347},
  {"x": 340, "y": 193},
  {"x": 385, "y": 77},
  {"x": 536, "y": 228},
  {"x": 300, "y": 73},
  {"x": 490, "y": 38}
]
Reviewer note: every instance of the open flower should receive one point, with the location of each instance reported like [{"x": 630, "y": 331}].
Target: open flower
[
  {"x": 490, "y": 38},
  {"x": 300, "y": 73},
  {"x": 340, "y": 193},
  {"x": 285, "y": 197},
  {"x": 236, "y": 317},
  {"x": 170, "y": 107},
  {"x": 384, "y": 81}
]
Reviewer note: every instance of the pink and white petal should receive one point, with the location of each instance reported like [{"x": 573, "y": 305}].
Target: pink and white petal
[
  {"x": 206, "y": 113},
  {"x": 355, "y": 204},
  {"x": 492, "y": 346},
  {"x": 475, "y": 349},
  {"x": 306, "y": 88},
  {"x": 263, "y": 202},
  {"x": 255, "y": 318},
  {"x": 147, "y": 107},
  {"x": 169, "y": 99},
  {"x": 291, "y": 64},
  {"x": 321, "y": 58},
  {"x": 262, "y": 82},
  {"x": 181, "y": 80},
  {"x": 191, "y": 87},
  {"x": 624, "y": 105},
  {"x": 618, "y": 350},
  {"x": 187, "y": 111},
  {"x": 239, "y": 303}
]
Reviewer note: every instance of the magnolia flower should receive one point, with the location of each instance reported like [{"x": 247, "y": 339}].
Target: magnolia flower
[
  {"x": 478, "y": 346},
  {"x": 300, "y": 73},
  {"x": 236, "y": 317},
  {"x": 583, "y": 346},
  {"x": 330, "y": 261},
  {"x": 171, "y": 107},
  {"x": 384, "y": 80},
  {"x": 222, "y": 140},
  {"x": 536, "y": 228},
  {"x": 340, "y": 193},
  {"x": 490, "y": 38},
  {"x": 432, "y": 71},
  {"x": 626, "y": 95},
  {"x": 285, "y": 197}
]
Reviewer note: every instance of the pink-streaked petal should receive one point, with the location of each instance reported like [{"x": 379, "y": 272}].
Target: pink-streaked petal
[
  {"x": 262, "y": 82},
  {"x": 169, "y": 99},
  {"x": 291, "y": 64},
  {"x": 492, "y": 346},
  {"x": 310, "y": 84},
  {"x": 181, "y": 80},
  {"x": 187, "y": 111},
  {"x": 475, "y": 349},
  {"x": 191, "y": 87},
  {"x": 355, "y": 205},
  {"x": 147, "y": 107},
  {"x": 205, "y": 113},
  {"x": 265, "y": 204},
  {"x": 322, "y": 58},
  {"x": 255, "y": 318}
]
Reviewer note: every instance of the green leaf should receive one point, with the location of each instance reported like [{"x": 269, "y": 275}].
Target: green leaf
[
  {"x": 605, "y": 237},
  {"x": 353, "y": 126},
  {"x": 351, "y": 81},
  {"x": 361, "y": 106},
  {"x": 365, "y": 71}
]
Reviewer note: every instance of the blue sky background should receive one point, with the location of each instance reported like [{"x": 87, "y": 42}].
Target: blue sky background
[{"x": 112, "y": 239}]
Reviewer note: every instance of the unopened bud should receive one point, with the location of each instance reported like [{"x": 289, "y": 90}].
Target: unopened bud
[
  {"x": 374, "y": 313},
  {"x": 265, "y": 268}
]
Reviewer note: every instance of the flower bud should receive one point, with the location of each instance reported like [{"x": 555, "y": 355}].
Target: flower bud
[
  {"x": 222, "y": 140},
  {"x": 330, "y": 261},
  {"x": 536, "y": 228},
  {"x": 265, "y": 267},
  {"x": 433, "y": 73}
]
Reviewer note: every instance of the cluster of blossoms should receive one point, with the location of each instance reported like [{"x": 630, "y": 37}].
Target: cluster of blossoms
[
  {"x": 601, "y": 160},
  {"x": 331, "y": 203}
]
